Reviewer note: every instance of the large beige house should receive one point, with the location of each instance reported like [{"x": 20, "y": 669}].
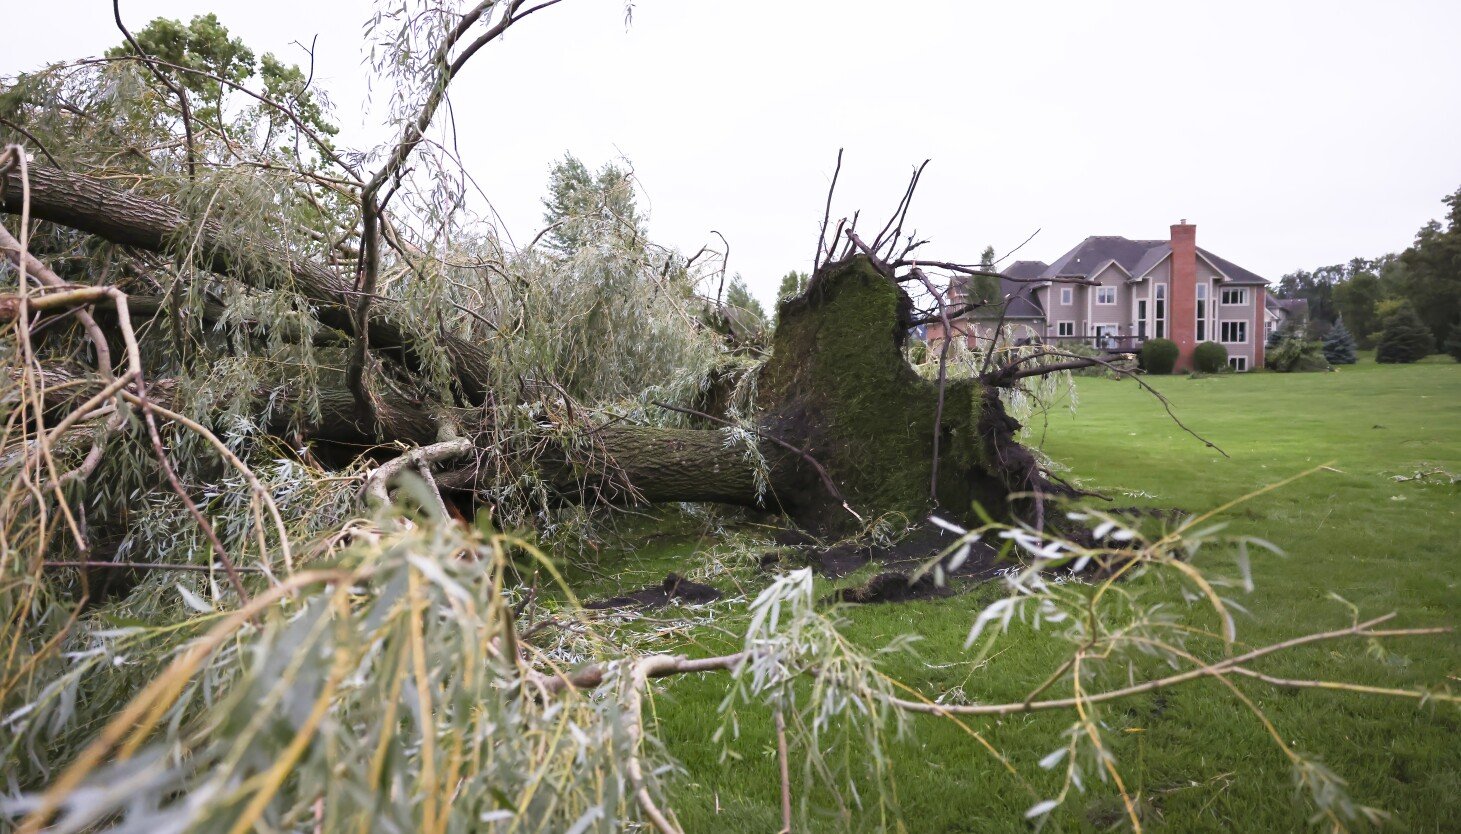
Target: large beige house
[{"x": 1130, "y": 291}]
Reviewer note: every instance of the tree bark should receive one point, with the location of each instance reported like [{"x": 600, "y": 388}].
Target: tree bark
[
  {"x": 837, "y": 388},
  {"x": 131, "y": 219}
]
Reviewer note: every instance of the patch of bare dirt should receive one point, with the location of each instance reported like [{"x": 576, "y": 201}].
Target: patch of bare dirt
[
  {"x": 893, "y": 586},
  {"x": 675, "y": 587}
]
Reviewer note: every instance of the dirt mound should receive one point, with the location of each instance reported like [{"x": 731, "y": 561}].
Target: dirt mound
[
  {"x": 839, "y": 560},
  {"x": 914, "y": 550},
  {"x": 675, "y": 587}
]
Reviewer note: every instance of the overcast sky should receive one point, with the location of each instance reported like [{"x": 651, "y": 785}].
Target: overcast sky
[{"x": 1294, "y": 134}]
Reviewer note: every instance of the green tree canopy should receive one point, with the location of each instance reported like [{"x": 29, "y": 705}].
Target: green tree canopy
[
  {"x": 1431, "y": 274},
  {"x": 1339, "y": 345},
  {"x": 579, "y": 201},
  {"x": 792, "y": 285},
  {"x": 205, "y": 45},
  {"x": 1405, "y": 338}
]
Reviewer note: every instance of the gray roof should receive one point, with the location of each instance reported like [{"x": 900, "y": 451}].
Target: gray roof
[
  {"x": 1021, "y": 292},
  {"x": 1021, "y": 303},
  {"x": 1026, "y": 270},
  {"x": 1095, "y": 252},
  {"x": 1134, "y": 256},
  {"x": 1152, "y": 257},
  {"x": 1236, "y": 274},
  {"x": 1290, "y": 306}
]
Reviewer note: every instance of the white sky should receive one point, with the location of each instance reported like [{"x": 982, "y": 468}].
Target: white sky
[{"x": 1294, "y": 134}]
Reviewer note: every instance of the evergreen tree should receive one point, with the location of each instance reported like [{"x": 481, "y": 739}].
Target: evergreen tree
[
  {"x": 743, "y": 306},
  {"x": 583, "y": 207},
  {"x": 1339, "y": 345},
  {"x": 792, "y": 285},
  {"x": 1405, "y": 338}
]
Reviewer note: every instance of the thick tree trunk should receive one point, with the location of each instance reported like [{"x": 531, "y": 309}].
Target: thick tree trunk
[
  {"x": 837, "y": 389},
  {"x": 131, "y": 219}
]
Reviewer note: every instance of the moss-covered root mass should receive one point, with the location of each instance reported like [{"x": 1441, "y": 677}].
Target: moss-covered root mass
[{"x": 837, "y": 385}]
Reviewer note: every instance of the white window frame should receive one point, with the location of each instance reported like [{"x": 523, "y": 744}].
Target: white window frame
[
  {"x": 1159, "y": 311},
  {"x": 1061, "y": 326},
  {"x": 1227, "y": 328},
  {"x": 1100, "y": 291},
  {"x": 1067, "y": 296},
  {"x": 1240, "y": 292},
  {"x": 1238, "y": 363},
  {"x": 1202, "y": 308}
]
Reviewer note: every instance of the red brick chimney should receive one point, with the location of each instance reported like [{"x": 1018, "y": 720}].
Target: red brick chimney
[{"x": 1183, "y": 292}]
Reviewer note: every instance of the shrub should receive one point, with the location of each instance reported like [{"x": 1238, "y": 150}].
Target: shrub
[
  {"x": 1339, "y": 345},
  {"x": 1405, "y": 338},
  {"x": 1210, "y": 358},
  {"x": 1093, "y": 352},
  {"x": 1159, "y": 356},
  {"x": 1296, "y": 354}
]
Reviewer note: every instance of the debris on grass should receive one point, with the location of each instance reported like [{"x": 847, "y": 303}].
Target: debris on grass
[{"x": 674, "y": 588}]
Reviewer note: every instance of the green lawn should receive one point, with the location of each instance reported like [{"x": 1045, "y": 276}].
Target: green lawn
[{"x": 1197, "y": 758}]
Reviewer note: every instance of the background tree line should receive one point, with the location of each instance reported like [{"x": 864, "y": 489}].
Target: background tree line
[{"x": 1424, "y": 281}]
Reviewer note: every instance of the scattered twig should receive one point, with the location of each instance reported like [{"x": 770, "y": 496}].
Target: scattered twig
[{"x": 159, "y": 566}]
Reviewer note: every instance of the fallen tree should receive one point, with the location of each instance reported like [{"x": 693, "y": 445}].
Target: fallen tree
[
  {"x": 837, "y": 391},
  {"x": 227, "y": 357}
]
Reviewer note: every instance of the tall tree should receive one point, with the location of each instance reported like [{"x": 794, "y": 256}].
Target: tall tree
[
  {"x": 579, "y": 200},
  {"x": 1431, "y": 274},
  {"x": 792, "y": 285},
  {"x": 1405, "y": 338},
  {"x": 1357, "y": 300},
  {"x": 1339, "y": 346}
]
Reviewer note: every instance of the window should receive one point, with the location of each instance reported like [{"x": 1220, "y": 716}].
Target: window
[
  {"x": 1105, "y": 295},
  {"x": 1201, "y": 312},
  {"x": 1160, "y": 326},
  {"x": 1238, "y": 363},
  {"x": 1065, "y": 328},
  {"x": 1141, "y": 323},
  {"x": 1239, "y": 296},
  {"x": 1235, "y": 332},
  {"x": 1066, "y": 296}
]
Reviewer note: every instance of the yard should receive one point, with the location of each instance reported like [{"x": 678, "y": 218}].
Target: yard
[{"x": 1194, "y": 755}]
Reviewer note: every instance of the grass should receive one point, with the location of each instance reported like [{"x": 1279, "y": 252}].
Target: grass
[{"x": 1196, "y": 757}]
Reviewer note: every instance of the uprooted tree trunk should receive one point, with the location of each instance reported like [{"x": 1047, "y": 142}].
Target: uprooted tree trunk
[{"x": 844, "y": 424}]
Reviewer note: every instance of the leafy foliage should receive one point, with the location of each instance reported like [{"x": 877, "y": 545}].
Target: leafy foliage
[
  {"x": 1159, "y": 356},
  {"x": 579, "y": 200},
  {"x": 1339, "y": 345},
  {"x": 1210, "y": 358},
  {"x": 1296, "y": 354},
  {"x": 1405, "y": 338},
  {"x": 1453, "y": 342},
  {"x": 792, "y": 285}
]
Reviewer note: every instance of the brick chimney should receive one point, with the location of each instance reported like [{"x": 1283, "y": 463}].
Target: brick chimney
[{"x": 1183, "y": 292}]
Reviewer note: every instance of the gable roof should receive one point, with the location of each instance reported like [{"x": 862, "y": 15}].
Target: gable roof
[
  {"x": 1290, "y": 306},
  {"x": 1094, "y": 253},
  {"x": 1236, "y": 274},
  {"x": 1137, "y": 257},
  {"x": 1026, "y": 270}
]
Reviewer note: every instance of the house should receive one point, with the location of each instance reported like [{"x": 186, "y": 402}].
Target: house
[
  {"x": 1114, "y": 293},
  {"x": 1286, "y": 314}
]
